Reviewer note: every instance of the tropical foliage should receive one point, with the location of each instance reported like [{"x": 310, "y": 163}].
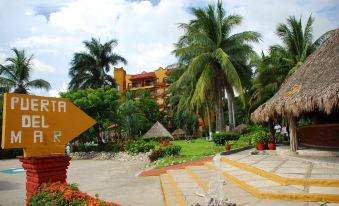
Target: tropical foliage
[
  {"x": 89, "y": 68},
  {"x": 283, "y": 60},
  {"x": 215, "y": 61},
  {"x": 138, "y": 112},
  {"x": 101, "y": 104},
  {"x": 16, "y": 74}
]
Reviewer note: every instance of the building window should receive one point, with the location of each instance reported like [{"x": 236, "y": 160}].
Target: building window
[
  {"x": 118, "y": 87},
  {"x": 136, "y": 84},
  {"x": 149, "y": 82},
  {"x": 157, "y": 91}
]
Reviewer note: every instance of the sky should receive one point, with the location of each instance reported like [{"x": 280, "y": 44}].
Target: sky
[{"x": 146, "y": 30}]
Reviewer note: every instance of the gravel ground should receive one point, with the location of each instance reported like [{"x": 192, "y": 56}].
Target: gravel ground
[{"x": 120, "y": 156}]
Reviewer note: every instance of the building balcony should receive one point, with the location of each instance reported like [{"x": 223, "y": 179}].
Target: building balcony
[{"x": 133, "y": 88}]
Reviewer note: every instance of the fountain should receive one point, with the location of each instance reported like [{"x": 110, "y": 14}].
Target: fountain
[{"x": 216, "y": 195}]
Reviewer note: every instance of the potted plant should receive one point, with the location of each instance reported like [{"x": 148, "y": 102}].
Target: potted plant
[
  {"x": 227, "y": 146},
  {"x": 271, "y": 143},
  {"x": 260, "y": 138}
]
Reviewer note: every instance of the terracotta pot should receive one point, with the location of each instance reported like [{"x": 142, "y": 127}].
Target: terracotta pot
[
  {"x": 260, "y": 146},
  {"x": 271, "y": 146},
  {"x": 228, "y": 147}
]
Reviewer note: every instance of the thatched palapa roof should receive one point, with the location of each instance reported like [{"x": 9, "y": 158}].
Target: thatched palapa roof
[
  {"x": 313, "y": 87},
  {"x": 157, "y": 130},
  {"x": 178, "y": 132}
]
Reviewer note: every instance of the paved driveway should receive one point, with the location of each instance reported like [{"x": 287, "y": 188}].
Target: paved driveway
[{"x": 112, "y": 180}]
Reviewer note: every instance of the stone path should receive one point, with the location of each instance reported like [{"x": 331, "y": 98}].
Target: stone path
[{"x": 254, "y": 180}]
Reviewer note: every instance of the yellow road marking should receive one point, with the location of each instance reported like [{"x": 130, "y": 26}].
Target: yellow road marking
[
  {"x": 178, "y": 194},
  {"x": 197, "y": 178},
  {"x": 309, "y": 197},
  {"x": 280, "y": 179},
  {"x": 165, "y": 190}
]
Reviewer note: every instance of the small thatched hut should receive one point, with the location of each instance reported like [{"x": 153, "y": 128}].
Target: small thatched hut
[
  {"x": 158, "y": 130},
  {"x": 179, "y": 133},
  {"x": 314, "y": 87}
]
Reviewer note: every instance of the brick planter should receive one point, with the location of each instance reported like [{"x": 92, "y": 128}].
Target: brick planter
[{"x": 40, "y": 169}]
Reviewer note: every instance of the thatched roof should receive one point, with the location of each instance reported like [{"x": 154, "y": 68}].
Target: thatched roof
[
  {"x": 313, "y": 87},
  {"x": 178, "y": 132},
  {"x": 158, "y": 130}
]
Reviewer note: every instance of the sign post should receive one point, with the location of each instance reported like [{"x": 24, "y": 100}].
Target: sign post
[{"x": 41, "y": 126}]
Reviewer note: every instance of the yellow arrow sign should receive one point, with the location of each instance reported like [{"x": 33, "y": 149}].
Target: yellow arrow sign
[{"x": 41, "y": 125}]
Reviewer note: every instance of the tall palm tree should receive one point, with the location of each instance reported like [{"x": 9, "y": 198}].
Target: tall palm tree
[
  {"x": 297, "y": 41},
  {"x": 89, "y": 68},
  {"x": 283, "y": 60},
  {"x": 215, "y": 58},
  {"x": 16, "y": 74}
]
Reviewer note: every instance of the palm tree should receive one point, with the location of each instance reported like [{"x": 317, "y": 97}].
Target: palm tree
[
  {"x": 16, "y": 74},
  {"x": 89, "y": 69},
  {"x": 131, "y": 118},
  {"x": 215, "y": 58},
  {"x": 283, "y": 60},
  {"x": 297, "y": 41}
]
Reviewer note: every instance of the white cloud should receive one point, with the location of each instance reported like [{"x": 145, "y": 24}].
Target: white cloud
[
  {"x": 56, "y": 92},
  {"x": 39, "y": 66},
  {"x": 146, "y": 32}
]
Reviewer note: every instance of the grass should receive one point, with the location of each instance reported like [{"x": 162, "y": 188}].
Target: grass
[{"x": 196, "y": 149}]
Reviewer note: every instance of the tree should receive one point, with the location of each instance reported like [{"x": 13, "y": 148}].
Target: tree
[
  {"x": 16, "y": 74},
  {"x": 138, "y": 112},
  {"x": 89, "y": 69},
  {"x": 187, "y": 121},
  {"x": 297, "y": 41},
  {"x": 149, "y": 107},
  {"x": 101, "y": 104},
  {"x": 132, "y": 119},
  {"x": 216, "y": 59},
  {"x": 283, "y": 60}
]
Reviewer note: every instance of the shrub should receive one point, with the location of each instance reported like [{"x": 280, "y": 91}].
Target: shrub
[
  {"x": 135, "y": 147},
  {"x": 58, "y": 193},
  {"x": 156, "y": 139},
  {"x": 85, "y": 147},
  {"x": 111, "y": 147},
  {"x": 281, "y": 138},
  {"x": 156, "y": 154},
  {"x": 10, "y": 153},
  {"x": 222, "y": 137},
  {"x": 172, "y": 150},
  {"x": 259, "y": 136}
]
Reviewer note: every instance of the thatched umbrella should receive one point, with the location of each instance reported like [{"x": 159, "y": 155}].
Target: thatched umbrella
[
  {"x": 158, "y": 130},
  {"x": 313, "y": 87},
  {"x": 179, "y": 133}
]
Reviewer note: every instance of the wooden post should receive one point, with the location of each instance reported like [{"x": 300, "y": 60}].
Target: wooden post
[{"x": 293, "y": 133}]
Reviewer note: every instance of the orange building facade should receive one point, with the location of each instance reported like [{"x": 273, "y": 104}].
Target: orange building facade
[{"x": 156, "y": 82}]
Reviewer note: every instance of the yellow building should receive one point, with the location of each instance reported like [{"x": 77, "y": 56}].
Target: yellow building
[{"x": 154, "y": 81}]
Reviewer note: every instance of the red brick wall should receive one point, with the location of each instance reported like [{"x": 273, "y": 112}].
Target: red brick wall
[{"x": 320, "y": 135}]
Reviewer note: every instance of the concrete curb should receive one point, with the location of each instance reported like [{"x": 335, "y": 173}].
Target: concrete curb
[{"x": 236, "y": 150}]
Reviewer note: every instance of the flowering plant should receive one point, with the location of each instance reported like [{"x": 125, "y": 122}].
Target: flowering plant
[{"x": 58, "y": 193}]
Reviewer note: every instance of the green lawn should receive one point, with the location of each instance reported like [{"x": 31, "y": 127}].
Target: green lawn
[{"x": 194, "y": 150}]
